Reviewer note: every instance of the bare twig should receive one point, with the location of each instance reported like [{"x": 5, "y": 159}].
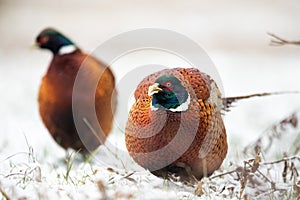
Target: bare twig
[
  {"x": 278, "y": 41},
  {"x": 243, "y": 180},
  {"x": 284, "y": 173},
  {"x": 294, "y": 170},
  {"x": 264, "y": 176},
  {"x": 281, "y": 160},
  {"x": 223, "y": 174}
]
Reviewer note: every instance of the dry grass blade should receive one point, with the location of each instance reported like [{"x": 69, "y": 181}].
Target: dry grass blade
[
  {"x": 3, "y": 193},
  {"x": 199, "y": 189},
  {"x": 69, "y": 164},
  {"x": 102, "y": 189},
  {"x": 129, "y": 178}
]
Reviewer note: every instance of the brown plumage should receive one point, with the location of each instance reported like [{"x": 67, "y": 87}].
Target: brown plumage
[
  {"x": 56, "y": 90},
  {"x": 190, "y": 143}
]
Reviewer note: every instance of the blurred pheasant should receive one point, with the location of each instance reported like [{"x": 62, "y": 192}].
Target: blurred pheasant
[
  {"x": 56, "y": 90},
  {"x": 175, "y": 126}
]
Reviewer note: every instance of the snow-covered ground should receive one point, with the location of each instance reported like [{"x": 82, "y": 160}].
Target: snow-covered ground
[{"x": 234, "y": 36}]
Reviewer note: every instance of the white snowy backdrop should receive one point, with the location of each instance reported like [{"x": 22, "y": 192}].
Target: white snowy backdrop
[{"x": 234, "y": 34}]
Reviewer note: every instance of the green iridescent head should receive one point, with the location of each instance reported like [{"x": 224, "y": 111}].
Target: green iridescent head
[
  {"x": 53, "y": 40},
  {"x": 167, "y": 92}
]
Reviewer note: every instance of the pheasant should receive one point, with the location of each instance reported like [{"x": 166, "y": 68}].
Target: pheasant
[
  {"x": 56, "y": 94},
  {"x": 175, "y": 125}
]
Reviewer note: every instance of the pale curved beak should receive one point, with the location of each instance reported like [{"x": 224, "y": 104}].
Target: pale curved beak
[
  {"x": 34, "y": 46},
  {"x": 153, "y": 89}
]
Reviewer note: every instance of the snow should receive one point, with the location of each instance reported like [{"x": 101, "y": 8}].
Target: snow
[{"x": 33, "y": 166}]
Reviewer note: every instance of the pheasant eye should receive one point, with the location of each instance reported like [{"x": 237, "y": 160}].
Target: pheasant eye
[
  {"x": 168, "y": 84},
  {"x": 43, "y": 39}
]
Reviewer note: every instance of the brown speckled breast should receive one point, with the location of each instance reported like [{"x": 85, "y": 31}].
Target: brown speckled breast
[{"x": 55, "y": 100}]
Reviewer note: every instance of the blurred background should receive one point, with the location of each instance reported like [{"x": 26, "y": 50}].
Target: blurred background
[{"x": 234, "y": 34}]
